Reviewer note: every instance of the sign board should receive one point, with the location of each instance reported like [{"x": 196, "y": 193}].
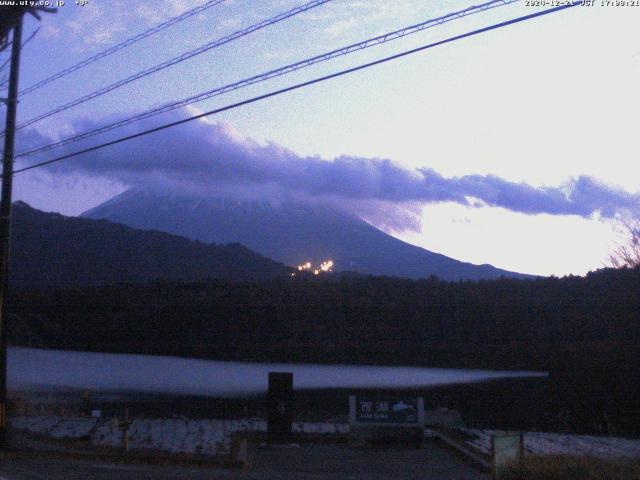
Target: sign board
[
  {"x": 369, "y": 411},
  {"x": 506, "y": 449}
]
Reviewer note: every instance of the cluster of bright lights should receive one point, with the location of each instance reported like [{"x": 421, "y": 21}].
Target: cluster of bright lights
[
  {"x": 326, "y": 266},
  {"x": 304, "y": 267}
]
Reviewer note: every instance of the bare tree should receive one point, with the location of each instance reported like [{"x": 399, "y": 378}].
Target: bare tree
[{"x": 628, "y": 255}]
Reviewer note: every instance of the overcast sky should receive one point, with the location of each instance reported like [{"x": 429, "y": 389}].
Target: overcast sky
[{"x": 516, "y": 148}]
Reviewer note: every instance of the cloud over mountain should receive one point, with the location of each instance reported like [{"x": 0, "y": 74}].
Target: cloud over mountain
[{"x": 205, "y": 157}]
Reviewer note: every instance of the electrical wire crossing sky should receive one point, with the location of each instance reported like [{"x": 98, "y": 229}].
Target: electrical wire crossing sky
[
  {"x": 176, "y": 60},
  {"x": 519, "y": 127},
  {"x": 119, "y": 46},
  {"x": 371, "y": 42},
  {"x": 298, "y": 86}
]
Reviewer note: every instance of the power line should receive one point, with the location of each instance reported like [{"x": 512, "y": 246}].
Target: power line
[
  {"x": 10, "y": 20},
  {"x": 180, "y": 58},
  {"x": 378, "y": 40},
  {"x": 5, "y": 81},
  {"x": 301, "y": 85},
  {"x": 8, "y": 60},
  {"x": 2, "y": 67},
  {"x": 121, "y": 45},
  {"x": 30, "y": 37}
]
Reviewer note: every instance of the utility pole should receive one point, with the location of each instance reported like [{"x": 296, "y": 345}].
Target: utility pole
[
  {"x": 5, "y": 213},
  {"x": 10, "y": 19}
]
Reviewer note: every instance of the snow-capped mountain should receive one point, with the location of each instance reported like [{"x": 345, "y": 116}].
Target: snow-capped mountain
[{"x": 292, "y": 232}]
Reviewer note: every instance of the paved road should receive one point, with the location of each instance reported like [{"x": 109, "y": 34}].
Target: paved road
[{"x": 309, "y": 462}]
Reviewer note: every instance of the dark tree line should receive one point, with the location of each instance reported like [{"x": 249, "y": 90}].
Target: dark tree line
[{"x": 583, "y": 330}]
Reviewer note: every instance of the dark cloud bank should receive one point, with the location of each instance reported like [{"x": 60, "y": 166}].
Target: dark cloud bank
[{"x": 212, "y": 158}]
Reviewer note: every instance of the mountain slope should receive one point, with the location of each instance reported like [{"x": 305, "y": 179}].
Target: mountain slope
[
  {"x": 51, "y": 249},
  {"x": 290, "y": 232}
]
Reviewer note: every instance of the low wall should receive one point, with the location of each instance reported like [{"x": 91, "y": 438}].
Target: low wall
[{"x": 202, "y": 437}]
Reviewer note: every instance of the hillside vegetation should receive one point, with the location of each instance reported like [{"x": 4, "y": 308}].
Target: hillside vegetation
[
  {"x": 49, "y": 249},
  {"x": 584, "y": 331}
]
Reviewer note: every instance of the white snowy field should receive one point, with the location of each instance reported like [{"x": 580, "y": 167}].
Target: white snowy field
[
  {"x": 175, "y": 435},
  {"x": 542, "y": 443},
  {"x": 213, "y": 436},
  {"x": 35, "y": 368}
]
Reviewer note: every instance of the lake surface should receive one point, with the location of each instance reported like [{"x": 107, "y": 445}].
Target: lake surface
[{"x": 36, "y": 368}]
